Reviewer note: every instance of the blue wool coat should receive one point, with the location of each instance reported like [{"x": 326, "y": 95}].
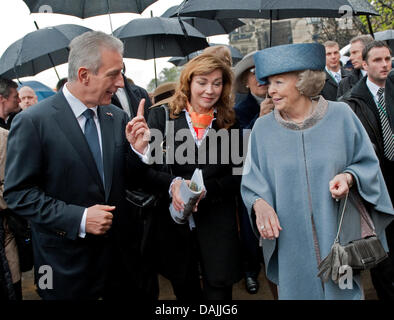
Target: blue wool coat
[{"x": 279, "y": 169}]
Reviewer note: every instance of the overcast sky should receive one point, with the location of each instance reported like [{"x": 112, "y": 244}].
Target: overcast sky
[{"x": 16, "y": 21}]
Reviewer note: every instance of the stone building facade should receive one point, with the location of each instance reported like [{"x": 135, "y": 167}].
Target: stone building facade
[{"x": 254, "y": 35}]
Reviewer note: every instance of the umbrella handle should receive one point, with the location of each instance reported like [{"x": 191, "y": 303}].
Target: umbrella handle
[{"x": 370, "y": 26}]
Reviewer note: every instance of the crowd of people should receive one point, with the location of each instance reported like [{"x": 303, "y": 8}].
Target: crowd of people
[{"x": 280, "y": 138}]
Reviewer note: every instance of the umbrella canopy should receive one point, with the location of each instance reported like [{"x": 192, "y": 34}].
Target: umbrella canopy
[
  {"x": 150, "y": 38},
  {"x": 236, "y": 55},
  {"x": 275, "y": 9},
  {"x": 88, "y": 8},
  {"x": 206, "y": 26},
  {"x": 39, "y": 50},
  {"x": 42, "y": 91},
  {"x": 386, "y": 35}
]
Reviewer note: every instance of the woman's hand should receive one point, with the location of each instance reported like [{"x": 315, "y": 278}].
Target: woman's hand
[
  {"x": 266, "y": 220},
  {"x": 137, "y": 130},
  {"x": 266, "y": 106},
  {"x": 340, "y": 185}
]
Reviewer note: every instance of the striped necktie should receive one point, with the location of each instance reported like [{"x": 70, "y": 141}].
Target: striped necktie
[{"x": 388, "y": 137}]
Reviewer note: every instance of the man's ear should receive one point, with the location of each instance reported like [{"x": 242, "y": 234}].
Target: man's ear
[
  {"x": 2, "y": 98},
  {"x": 83, "y": 75},
  {"x": 365, "y": 65}
]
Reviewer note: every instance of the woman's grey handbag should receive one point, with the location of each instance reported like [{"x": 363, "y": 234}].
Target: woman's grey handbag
[{"x": 361, "y": 254}]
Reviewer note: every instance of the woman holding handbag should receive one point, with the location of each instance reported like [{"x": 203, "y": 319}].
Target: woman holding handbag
[
  {"x": 200, "y": 111},
  {"x": 313, "y": 151}
]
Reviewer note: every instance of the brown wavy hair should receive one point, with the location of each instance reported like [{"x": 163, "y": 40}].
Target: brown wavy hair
[{"x": 202, "y": 65}]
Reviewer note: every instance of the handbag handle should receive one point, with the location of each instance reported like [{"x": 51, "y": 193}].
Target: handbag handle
[{"x": 341, "y": 220}]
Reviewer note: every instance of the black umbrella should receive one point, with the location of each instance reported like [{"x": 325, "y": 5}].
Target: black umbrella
[
  {"x": 236, "y": 55},
  {"x": 206, "y": 26},
  {"x": 151, "y": 38},
  {"x": 39, "y": 50},
  {"x": 88, "y": 8},
  {"x": 274, "y": 9}
]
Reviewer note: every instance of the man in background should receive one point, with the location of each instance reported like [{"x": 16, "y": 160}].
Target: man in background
[
  {"x": 9, "y": 102},
  {"x": 129, "y": 97},
  {"x": 27, "y": 96},
  {"x": 368, "y": 101},
  {"x": 357, "y": 45},
  {"x": 333, "y": 70}
]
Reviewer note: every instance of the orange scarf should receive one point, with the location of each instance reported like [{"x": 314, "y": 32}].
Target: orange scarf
[{"x": 200, "y": 121}]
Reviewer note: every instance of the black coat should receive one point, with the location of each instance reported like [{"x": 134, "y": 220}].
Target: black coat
[
  {"x": 134, "y": 94},
  {"x": 247, "y": 110},
  {"x": 389, "y": 95},
  {"x": 216, "y": 225},
  {"x": 348, "y": 82},
  {"x": 51, "y": 177},
  {"x": 330, "y": 89},
  {"x": 363, "y": 104}
]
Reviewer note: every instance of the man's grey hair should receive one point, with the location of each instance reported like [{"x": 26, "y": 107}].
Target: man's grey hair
[
  {"x": 85, "y": 51},
  {"x": 364, "y": 39},
  {"x": 5, "y": 86}
]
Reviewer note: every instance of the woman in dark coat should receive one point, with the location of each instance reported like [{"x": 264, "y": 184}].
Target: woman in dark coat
[
  {"x": 256, "y": 104},
  {"x": 200, "y": 108}
]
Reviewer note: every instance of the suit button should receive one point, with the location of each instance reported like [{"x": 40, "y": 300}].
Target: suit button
[{"x": 61, "y": 233}]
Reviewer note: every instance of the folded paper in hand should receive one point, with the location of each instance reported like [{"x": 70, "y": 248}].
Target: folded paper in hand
[{"x": 189, "y": 195}]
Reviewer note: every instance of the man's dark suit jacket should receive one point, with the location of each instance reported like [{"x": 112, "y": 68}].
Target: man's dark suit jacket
[
  {"x": 330, "y": 89},
  {"x": 7, "y": 125},
  {"x": 362, "y": 103},
  {"x": 134, "y": 95},
  {"x": 348, "y": 82},
  {"x": 51, "y": 177}
]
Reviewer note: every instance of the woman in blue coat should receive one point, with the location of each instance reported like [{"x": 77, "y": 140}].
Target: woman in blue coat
[{"x": 312, "y": 153}]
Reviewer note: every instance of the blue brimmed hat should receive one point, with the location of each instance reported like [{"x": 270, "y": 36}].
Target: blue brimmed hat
[{"x": 288, "y": 58}]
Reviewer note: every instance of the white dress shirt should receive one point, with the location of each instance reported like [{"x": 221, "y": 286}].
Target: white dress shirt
[
  {"x": 124, "y": 102},
  {"x": 373, "y": 88},
  {"x": 335, "y": 75}
]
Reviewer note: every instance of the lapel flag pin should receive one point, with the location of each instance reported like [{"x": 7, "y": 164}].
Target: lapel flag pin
[{"x": 109, "y": 114}]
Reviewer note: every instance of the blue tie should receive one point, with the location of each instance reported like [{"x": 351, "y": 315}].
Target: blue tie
[
  {"x": 93, "y": 140},
  {"x": 337, "y": 77}
]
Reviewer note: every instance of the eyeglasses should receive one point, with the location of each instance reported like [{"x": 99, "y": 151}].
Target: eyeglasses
[{"x": 252, "y": 70}]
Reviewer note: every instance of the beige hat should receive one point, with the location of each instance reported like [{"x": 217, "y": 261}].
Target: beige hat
[
  {"x": 163, "y": 93},
  {"x": 246, "y": 63}
]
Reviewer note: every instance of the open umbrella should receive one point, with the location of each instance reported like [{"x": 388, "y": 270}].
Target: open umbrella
[
  {"x": 150, "y": 38},
  {"x": 41, "y": 90},
  {"x": 88, "y": 8},
  {"x": 274, "y": 9},
  {"x": 386, "y": 35},
  {"x": 85, "y": 9},
  {"x": 236, "y": 55},
  {"x": 38, "y": 51},
  {"x": 206, "y": 26}
]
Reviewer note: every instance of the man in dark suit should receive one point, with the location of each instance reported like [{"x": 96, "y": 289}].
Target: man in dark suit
[
  {"x": 68, "y": 162},
  {"x": 334, "y": 72},
  {"x": 357, "y": 45},
  {"x": 129, "y": 97},
  {"x": 9, "y": 102},
  {"x": 369, "y": 100}
]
